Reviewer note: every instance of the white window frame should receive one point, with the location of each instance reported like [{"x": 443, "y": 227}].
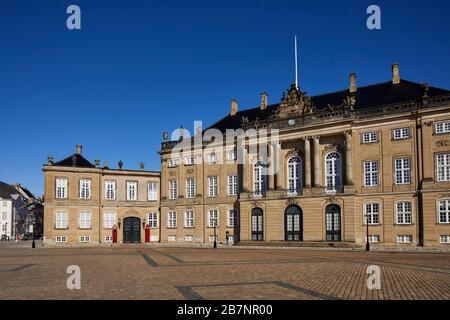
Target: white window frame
[
  {"x": 189, "y": 238},
  {"x": 371, "y": 176},
  {"x": 171, "y": 238},
  {"x": 442, "y": 127},
  {"x": 259, "y": 178},
  {"x": 403, "y": 238},
  {"x": 153, "y": 220},
  {"x": 443, "y": 167},
  {"x": 212, "y": 158},
  {"x": 109, "y": 219},
  {"x": 61, "y": 239},
  {"x": 232, "y": 185},
  {"x": 374, "y": 238},
  {"x": 152, "y": 191},
  {"x": 132, "y": 193},
  {"x": 444, "y": 238},
  {"x": 110, "y": 189},
  {"x": 172, "y": 163},
  {"x": 231, "y": 155},
  {"x": 61, "y": 219},
  {"x": 401, "y": 133},
  {"x": 61, "y": 188},
  {"x": 189, "y": 218},
  {"x": 213, "y": 215},
  {"x": 84, "y": 239},
  {"x": 189, "y": 160},
  {"x": 85, "y": 189},
  {"x": 402, "y": 171},
  {"x": 294, "y": 175},
  {"x": 403, "y": 216},
  {"x": 108, "y": 239},
  {"x": 190, "y": 188},
  {"x": 172, "y": 219},
  {"x": 233, "y": 218},
  {"x": 173, "y": 189},
  {"x": 333, "y": 172},
  {"x": 372, "y": 213},
  {"x": 213, "y": 186},
  {"x": 370, "y": 137},
  {"x": 85, "y": 220},
  {"x": 445, "y": 213}
]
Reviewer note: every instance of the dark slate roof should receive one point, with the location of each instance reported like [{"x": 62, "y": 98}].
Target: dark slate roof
[
  {"x": 26, "y": 191},
  {"x": 369, "y": 96},
  {"x": 75, "y": 160},
  {"x": 7, "y": 190}
]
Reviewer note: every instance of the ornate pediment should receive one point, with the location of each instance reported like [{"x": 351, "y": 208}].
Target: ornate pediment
[
  {"x": 295, "y": 103},
  {"x": 293, "y": 153},
  {"x": 331, "y": 147}
]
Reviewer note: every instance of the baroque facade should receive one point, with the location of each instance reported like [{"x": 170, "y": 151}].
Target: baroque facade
[
  {"x": 89, "y": 203},
  {"x": 378, "y": 154},
  {"x": 312, "y": 169}
]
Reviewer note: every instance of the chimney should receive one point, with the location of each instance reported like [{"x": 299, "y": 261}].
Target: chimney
[
  {"x": 97, "y": 163},
  {"x": 395, "y": 73},
  {"x": 106, "y": 165},
  {"x": 353, "y": 87},
  {"x": 79, "y": 148},
  {"x": 234, "y": 107},
  {"x": 142, "y": 165},
  {"x": 50, "y": 160},
  {"x": 264, "y": 97}
]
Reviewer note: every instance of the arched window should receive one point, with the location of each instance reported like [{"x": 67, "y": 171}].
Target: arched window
[
  {"x": 333, "y": 180},
  {"x": 259, "y": 178},
  {"x": 294, "y": 175}
]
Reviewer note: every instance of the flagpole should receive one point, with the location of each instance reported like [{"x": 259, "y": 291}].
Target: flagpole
[{"x": 296, "y": 63}]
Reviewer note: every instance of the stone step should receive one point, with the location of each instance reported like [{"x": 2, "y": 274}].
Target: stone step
[{"x": 309, "y": 244}]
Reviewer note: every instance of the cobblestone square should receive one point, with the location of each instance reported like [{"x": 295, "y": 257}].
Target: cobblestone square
[{"x": 143, "y": 272}]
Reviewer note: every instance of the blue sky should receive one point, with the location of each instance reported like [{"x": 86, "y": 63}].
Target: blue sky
[{"x": 137, "y": 68}]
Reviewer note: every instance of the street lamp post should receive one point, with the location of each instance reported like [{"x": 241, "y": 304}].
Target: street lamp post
[
  {"x": 367, "y": 233},
  {"x": 215, "y": 235},
  {"x": 33, "y": 222}
]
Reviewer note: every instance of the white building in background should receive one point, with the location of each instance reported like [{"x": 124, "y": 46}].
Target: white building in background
[{"x": 13, "y": 211}]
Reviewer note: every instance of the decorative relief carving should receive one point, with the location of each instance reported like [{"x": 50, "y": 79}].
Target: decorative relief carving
[
  {"x": 256, "y": 204},
  {"x": 443, "y": 143},
  {"x": 291, "y": 201},
  {"x": 190, "y": 171},
  {"x": 293, "y": 153},
  {"x": 331, "y": 147},
  {"x": 172, "y": 173}
]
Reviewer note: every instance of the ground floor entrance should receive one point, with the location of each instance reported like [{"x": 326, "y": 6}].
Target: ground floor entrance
[{"x": 132, "y": 230}]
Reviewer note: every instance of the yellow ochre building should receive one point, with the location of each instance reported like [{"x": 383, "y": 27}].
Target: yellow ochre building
[{"x": 305, "y": 169}]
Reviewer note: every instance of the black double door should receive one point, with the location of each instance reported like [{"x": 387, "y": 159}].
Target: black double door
[
  {"x": 333, "y": 222},
  {"x": 257, "y": 225},
  {"x": 293, "y": 224},
  {"x": 132, "y": 230}
]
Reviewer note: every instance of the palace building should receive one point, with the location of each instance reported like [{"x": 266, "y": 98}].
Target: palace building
[
  {"x": 366, "y": 162},
  {"x": 89, "y": 203},
  {"x": 378, "y": 154}
]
